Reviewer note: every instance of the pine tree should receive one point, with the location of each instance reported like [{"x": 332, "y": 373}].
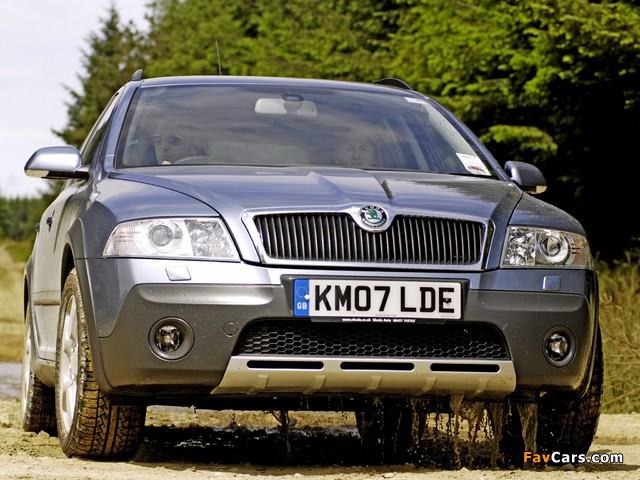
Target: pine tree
[{"x": 112, "y": 56}]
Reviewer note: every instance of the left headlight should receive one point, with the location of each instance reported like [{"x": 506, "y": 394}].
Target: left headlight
[
  {"x": 201, "y": 238},
  {"x": 540, "y": 247}
]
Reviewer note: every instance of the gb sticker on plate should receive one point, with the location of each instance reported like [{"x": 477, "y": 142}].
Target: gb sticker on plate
[{"x": 301, "y": 298}]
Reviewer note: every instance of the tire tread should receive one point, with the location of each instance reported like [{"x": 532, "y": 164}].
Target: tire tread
[{"x": 100, "y": 429}]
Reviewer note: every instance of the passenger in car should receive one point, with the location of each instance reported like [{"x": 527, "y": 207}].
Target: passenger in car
[{"x": 356, "y": 152}]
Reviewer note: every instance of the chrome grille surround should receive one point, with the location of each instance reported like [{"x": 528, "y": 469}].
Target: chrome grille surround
[{"x": 410, "y": 241}]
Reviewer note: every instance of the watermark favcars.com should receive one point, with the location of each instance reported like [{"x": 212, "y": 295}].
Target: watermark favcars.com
[{"x": 573, "y": 458}]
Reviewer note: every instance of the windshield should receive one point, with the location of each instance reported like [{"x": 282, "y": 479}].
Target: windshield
[{"x": 291, "y": 126}]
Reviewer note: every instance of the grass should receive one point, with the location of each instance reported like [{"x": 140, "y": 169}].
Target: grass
[
  {"x": 619, "y": 318},
  {"x": 12, "y": 261},
  {"x": 619, "y": 313}
]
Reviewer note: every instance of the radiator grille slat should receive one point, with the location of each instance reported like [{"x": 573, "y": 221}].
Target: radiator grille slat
[{"x": 337, "y": 238}]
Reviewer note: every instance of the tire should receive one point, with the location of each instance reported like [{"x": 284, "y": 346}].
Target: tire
[
  {"x": 561, "y": 422},
  {"x": 390, "y": 431},
  {"x": 37, "y": 401},
  {"x": 89, "y": 424}
]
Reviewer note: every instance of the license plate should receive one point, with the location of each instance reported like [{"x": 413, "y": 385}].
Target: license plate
[{"x": 377, "y": 298}]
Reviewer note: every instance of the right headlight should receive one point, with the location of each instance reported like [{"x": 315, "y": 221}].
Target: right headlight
[
  {"x": 542, "y": 247},
  {"x": 197, "y": 238}
]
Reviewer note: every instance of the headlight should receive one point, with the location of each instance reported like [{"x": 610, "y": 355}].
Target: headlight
[
  {"x": 539, "y": 247},
  {"x": 202, "y": 238}
]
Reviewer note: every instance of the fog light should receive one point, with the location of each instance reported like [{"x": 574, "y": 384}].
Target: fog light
[
  {"x": 558, "y": 347},
  {"x": 168, "y": 338},
  {"x": 171, "y": 338}
]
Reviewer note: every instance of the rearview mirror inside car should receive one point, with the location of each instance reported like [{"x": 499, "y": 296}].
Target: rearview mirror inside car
[{"x": 287, "y": 105}]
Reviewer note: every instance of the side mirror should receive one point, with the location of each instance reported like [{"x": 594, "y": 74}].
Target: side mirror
[
  {"x": 528, "y": 177},
  {"x": 56, "y": 163}
]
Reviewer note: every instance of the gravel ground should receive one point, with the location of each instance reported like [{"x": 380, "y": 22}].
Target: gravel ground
[{"x": 188, "y": 444}]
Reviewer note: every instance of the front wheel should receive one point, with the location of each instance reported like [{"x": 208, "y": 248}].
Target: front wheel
[
  {"x": 89, "y": 424},
  {"x": 569, "y": 424},
  {"x": 557, "y": 422}
]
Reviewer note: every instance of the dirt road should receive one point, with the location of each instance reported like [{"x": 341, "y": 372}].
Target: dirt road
[{"x": 196, "y": 445}]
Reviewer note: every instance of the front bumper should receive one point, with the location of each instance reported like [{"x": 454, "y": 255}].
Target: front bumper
[{"x": 219, "y": 300}]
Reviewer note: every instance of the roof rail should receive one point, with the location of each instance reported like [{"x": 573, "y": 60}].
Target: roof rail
[
  {"x": 136, "y": 76},
  {"x": 394, "y": 82}
]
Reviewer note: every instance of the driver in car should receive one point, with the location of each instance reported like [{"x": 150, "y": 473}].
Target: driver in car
[{"x": 172, "y": 145}]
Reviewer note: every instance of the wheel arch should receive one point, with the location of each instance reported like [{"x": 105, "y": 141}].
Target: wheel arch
[
  {"x": 596, "y": 340},
  {"x": 73, "y": 249},
  {"x": 26, "y": 287},
  {"x": 74, "y": 258}
]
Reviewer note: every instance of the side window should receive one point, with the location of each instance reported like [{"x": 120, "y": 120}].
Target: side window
[{"x": 92, "y": 144}]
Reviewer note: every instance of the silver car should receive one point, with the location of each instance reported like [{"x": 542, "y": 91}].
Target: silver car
[{"x": 256, "y": 243}]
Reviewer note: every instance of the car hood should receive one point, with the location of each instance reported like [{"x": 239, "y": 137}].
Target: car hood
[
  {"x": 236, "y": 193},
  {"x": 232, "y": 191}
]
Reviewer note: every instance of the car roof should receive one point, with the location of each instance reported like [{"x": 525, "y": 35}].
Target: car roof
[{"x": 388, "y": 85}]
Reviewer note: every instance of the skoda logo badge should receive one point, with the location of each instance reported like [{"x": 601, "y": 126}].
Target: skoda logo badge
[{"x": 373, "y": 216}]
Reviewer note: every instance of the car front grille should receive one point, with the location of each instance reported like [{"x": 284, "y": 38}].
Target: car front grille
[
  {"x": 305, "y": 338},
  {"x": 337, "y": 238}
]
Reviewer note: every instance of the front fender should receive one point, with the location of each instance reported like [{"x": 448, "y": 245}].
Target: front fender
[{"x": 76, "y": 258}]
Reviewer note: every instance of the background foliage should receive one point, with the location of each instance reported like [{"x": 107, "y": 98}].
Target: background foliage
[
  {"x": 619, "y": 312},
  {"x": 550, "y": 82}
]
